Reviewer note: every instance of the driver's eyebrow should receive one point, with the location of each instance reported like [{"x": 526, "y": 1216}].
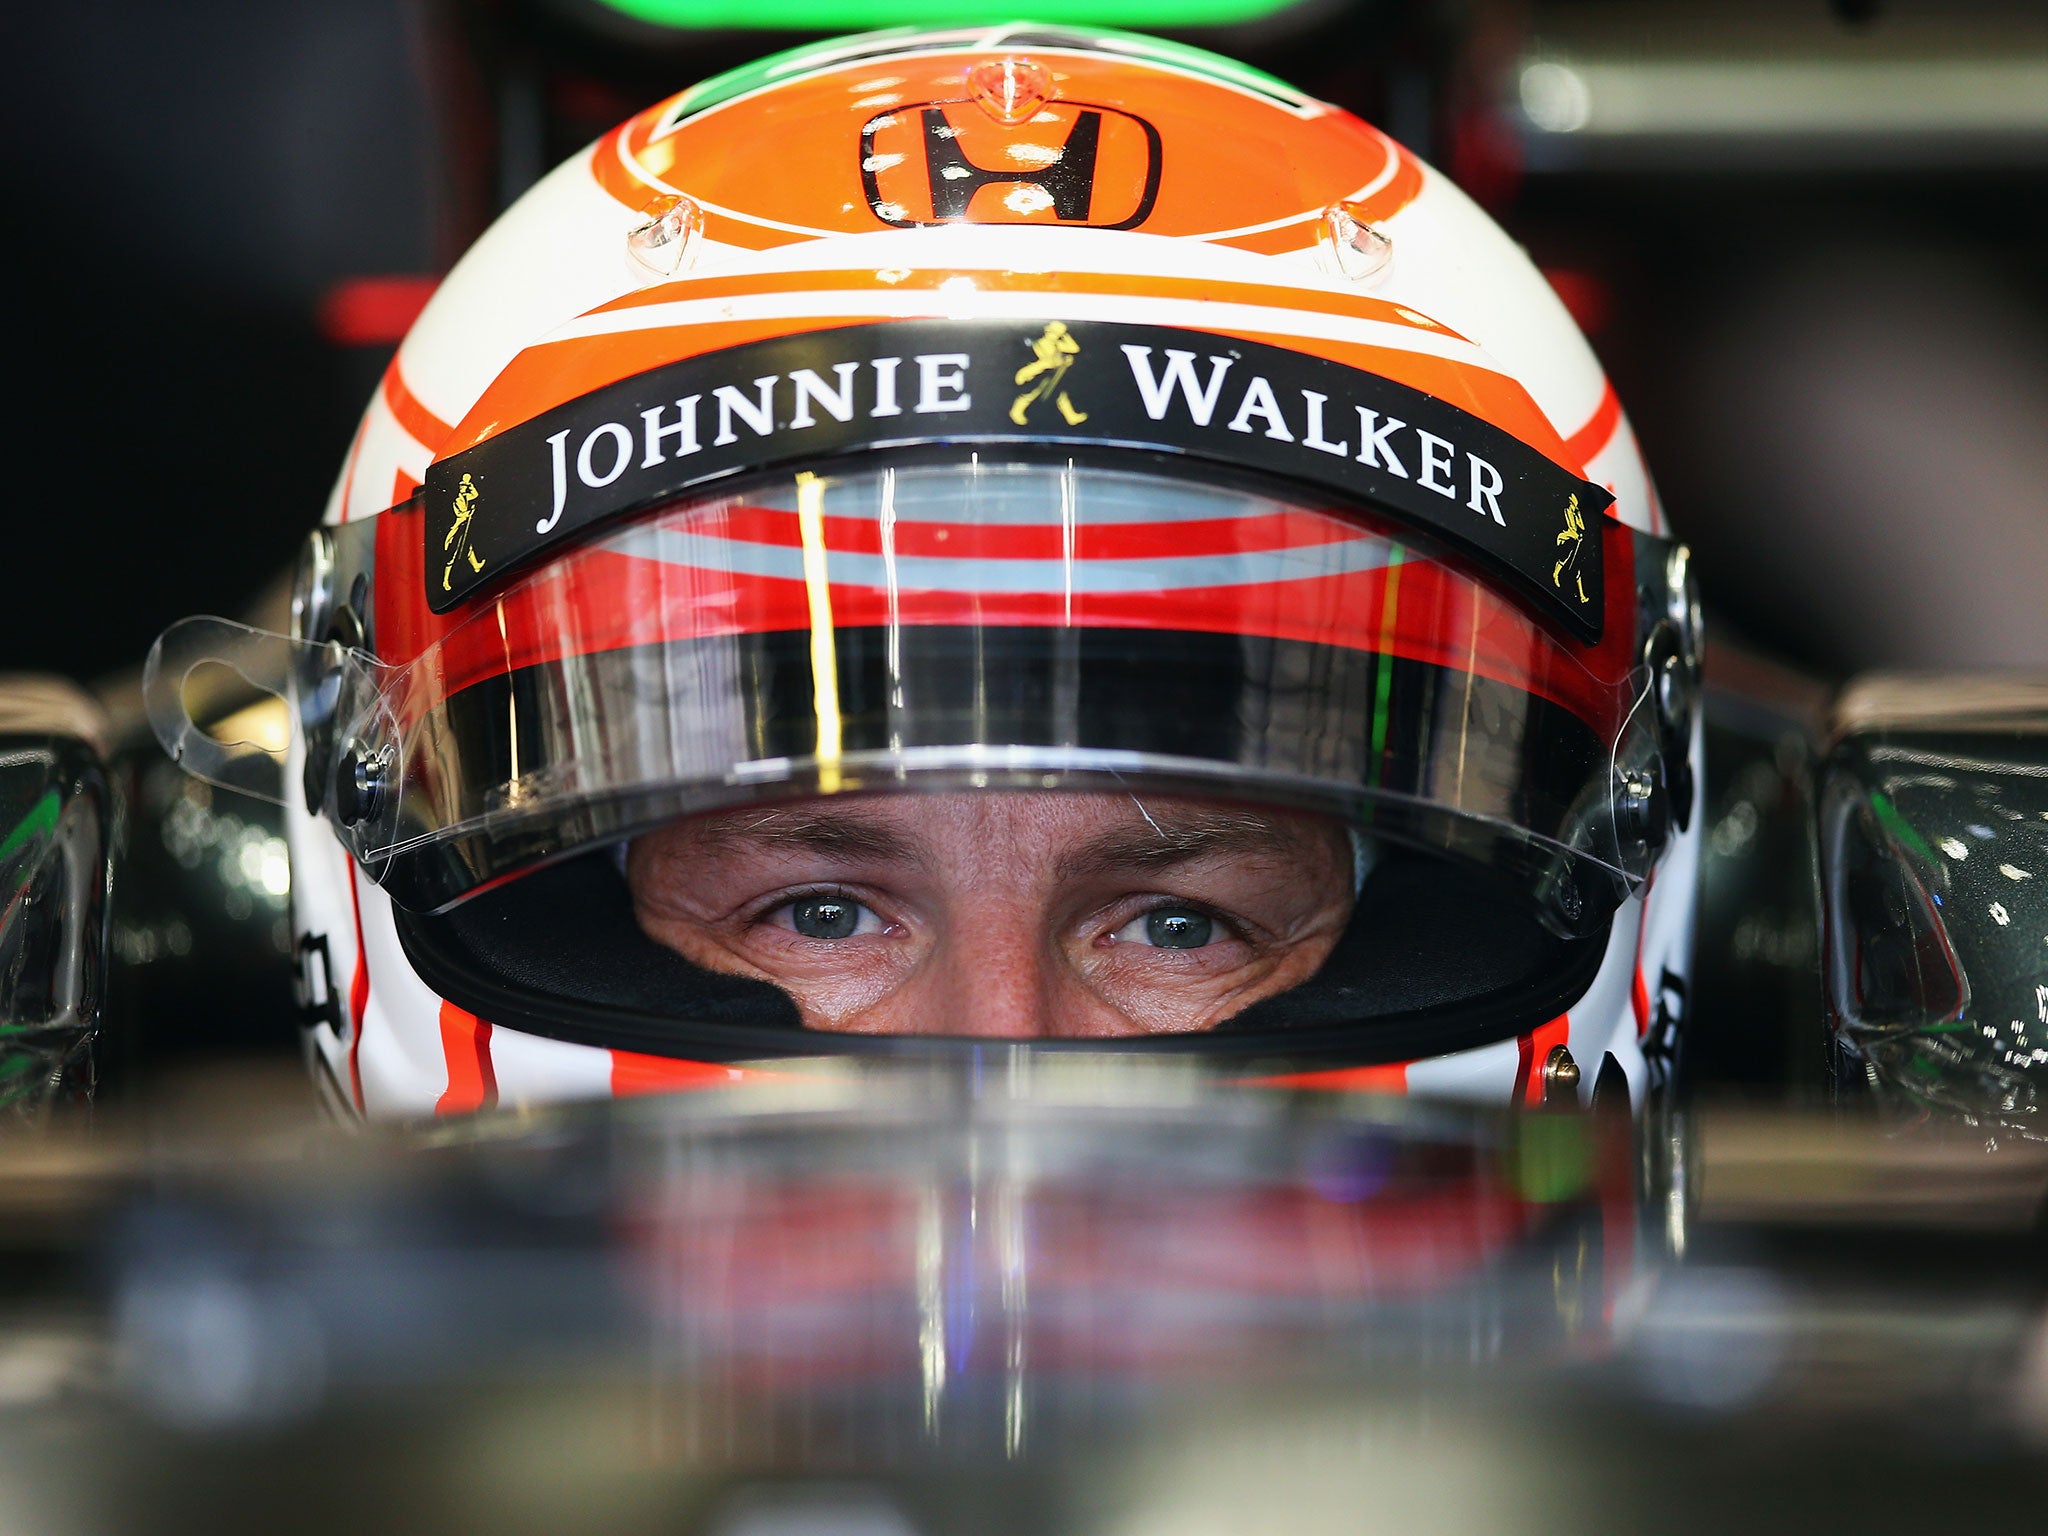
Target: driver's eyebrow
[
  {"x": 1175, "y": 837},
  {"x": 836, "y": 834}
]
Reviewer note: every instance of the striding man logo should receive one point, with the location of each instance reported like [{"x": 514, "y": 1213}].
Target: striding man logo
[
  {"x": 1052, "y": 354},
  {"x": 456, "y": 544},
  {"x": 1573, "y": 542}
]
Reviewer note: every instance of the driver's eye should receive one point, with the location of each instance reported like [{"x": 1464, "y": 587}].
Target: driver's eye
[
  {"x": 1169, "y": 928},
  {"x": 831, "y": 917}
]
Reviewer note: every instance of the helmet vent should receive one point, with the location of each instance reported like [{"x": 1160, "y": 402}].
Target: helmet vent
[
  {"x": 1010, "y": 90},
  {"x": 666, "y": 243},
  {"x": 1353, "y": 249}
]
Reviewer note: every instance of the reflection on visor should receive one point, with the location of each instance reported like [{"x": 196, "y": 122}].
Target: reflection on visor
[{"x": 987, "y": 625}]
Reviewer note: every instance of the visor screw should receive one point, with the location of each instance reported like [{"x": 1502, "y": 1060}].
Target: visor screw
[
  {"x": 1560, "y": 1076},
  {"x": 1643, "y": 817},
  {"x": 358, "y": 785}
]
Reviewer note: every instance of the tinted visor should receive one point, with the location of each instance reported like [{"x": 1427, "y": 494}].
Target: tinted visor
[
  {"x": 981, "y": 624},
  {"x": 1010, "y": 624}
]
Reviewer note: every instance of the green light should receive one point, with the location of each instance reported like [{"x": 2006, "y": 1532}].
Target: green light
[
  {"x": 1551, "y": 1160},
  {"x": 39, "y": 822},
  {"x": 808, "y": 58},
  {"x": 1889, "y": 818},
  {"x": 854, "y": 15}
]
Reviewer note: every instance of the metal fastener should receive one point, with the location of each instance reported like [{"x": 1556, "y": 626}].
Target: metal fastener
[
  {"x": 1560, "y": 1076},
  {"x": 359, "y": 783}
]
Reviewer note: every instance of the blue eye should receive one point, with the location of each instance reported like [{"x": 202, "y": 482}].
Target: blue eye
[
  {"x": 825, "y": 917},
  {"x": 1178, "y": 928},
  {"x": 1170, "y": 928}
]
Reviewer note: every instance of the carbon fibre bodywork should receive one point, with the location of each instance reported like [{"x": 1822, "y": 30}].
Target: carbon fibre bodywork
[{"x": 1933, "y": 803}]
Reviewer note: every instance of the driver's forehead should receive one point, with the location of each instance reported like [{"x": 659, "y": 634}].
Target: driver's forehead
[{"x": 1068, "y": 833}]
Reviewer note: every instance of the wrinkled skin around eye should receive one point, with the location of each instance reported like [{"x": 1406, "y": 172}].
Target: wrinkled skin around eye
[{"x": 1003, "y": 915}]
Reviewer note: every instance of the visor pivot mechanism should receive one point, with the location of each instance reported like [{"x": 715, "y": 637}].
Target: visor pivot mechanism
[
  {"x": 358, "y": 784},
  {"x": 1644, "y": 808},
  {"x": 1674, "y": 694}
]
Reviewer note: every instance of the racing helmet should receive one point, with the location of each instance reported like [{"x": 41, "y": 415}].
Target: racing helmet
[{"x": 997, "y": 411}]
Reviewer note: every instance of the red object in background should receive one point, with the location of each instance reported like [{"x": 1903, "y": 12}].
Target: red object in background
[
  {"x": 1587, "y": 297},
  {"x": 1484, "y": 156},
  {"x": 374, "y": 311},
  {"x": 580, "y": 100}
]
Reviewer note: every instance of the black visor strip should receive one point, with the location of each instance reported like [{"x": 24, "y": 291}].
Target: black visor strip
[{"x": 793, "y": 400}]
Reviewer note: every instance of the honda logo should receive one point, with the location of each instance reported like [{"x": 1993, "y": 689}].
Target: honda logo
[{"x": 948, "y": 162}]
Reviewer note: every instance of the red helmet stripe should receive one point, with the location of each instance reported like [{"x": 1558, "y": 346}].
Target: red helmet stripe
[
  {"x": 358, "y": 992},
  {"x": 634, "y": 1073},
  {"x": 1385, "y": 1077},
  {"x": 1598, "y": 431},
  {"x": 1535, "y": 1048},
  {"x": 427, "y": 429},
  {"x": 466, "y": 1046}
]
